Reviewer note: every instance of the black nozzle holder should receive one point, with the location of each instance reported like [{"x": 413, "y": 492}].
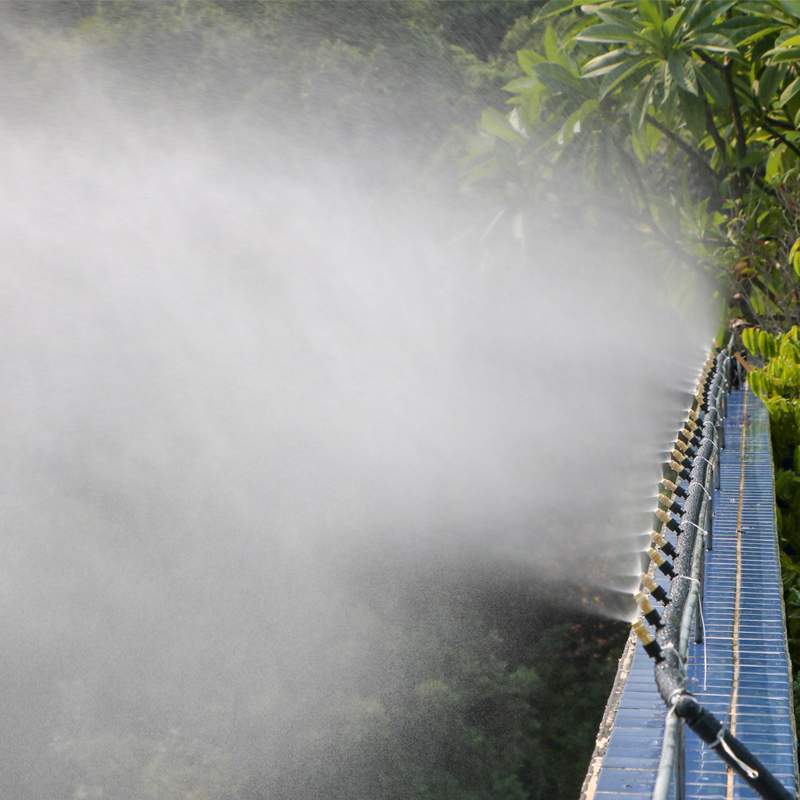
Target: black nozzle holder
[
  {"x": 651, "y": 646},
  {"x": 654, "y": 589},
  {"x": 662, "y": 563},
  {"x": 668, "y": 521},
  {"x": 687, "y": 450},
  {"x": 679, "y": 456},
  {"x": 682, "y": 472},
  {"x": 690, "y": 439},
  {"x": 678, "y": 491},
  {"x": 664, "y": 545},
  {"x": 730, "y": 749},
  {"x": 648, "y": 612},
  {"x": 669, "y": 504}
]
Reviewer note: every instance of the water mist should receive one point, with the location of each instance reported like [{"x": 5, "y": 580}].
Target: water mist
[{"x": 249, "y": 402}]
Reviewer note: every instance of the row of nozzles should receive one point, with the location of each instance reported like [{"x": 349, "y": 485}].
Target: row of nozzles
[{"x": 685, "y": 450}]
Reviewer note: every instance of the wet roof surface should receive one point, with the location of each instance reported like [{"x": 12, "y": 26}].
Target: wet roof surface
[{"x": 761, "y": 714}]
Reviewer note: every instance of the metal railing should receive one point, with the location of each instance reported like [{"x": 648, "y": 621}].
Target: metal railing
[{"x": 699, "y": 444}]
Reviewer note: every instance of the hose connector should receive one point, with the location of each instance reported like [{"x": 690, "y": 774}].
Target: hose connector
[
  {"x": 664, "y": 545},
  {"x": 651, "y": 646},
  {"x": 668, "y": 521},
  {"x": 662, "y": 563},
  {"x": 670, "y": 504},
  {"x": 654, "y": 589},
  {"x": 680, "y": 470},
  {"x": 678, "y": 491},
  {"x": 648, "y": 612}
]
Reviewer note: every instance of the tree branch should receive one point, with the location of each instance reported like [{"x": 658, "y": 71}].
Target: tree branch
[{"x": 687, "y": 148}]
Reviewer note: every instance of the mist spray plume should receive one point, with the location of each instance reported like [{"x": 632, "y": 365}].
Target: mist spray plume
[{"x": 244, "y": 396}]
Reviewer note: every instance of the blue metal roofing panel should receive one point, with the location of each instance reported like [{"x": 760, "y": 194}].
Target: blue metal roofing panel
[{"x": 761, "y": 717}]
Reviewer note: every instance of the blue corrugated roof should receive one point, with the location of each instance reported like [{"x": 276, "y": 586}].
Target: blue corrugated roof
[{"x": 748, "y": 648}]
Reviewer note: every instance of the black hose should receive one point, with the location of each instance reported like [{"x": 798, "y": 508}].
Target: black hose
[{"x": 730, "y": 749}]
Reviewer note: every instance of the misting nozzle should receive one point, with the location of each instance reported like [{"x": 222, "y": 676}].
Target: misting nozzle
[
  {"x": 661, "y": 542},
  {"x": 682, "y": 471},
  {"x": 651, "y": 646},
  {"x": 688, "y": 450},
  {"x": 668, "y": 520},
  {"x": 648, "y": 612},
  {"x": 675, "y": 489},
  {"x": 654, "y": 589},
  {"x": 679, "y": 456},
  {"x": 689, "y": 437},
  {"x": 670, "y": 504},
  {"x": 662, "y": 563}
]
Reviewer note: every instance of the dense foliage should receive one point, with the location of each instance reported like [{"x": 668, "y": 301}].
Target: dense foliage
[{"x": 677, "y": 120}]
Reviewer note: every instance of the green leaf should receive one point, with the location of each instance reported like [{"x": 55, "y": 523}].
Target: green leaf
[
  {"x": 767, "y": 344},
  {"x": 551, "y": 48},
  {"x": 559, "y": 79},
  {"x": 768, "y": 83},
  {"x": 555, "y": 7},
  {"x": 750, "y": 340},
  {"x": 791, "y": 7},
  {"x": 682, "y": 72},
  {"x": 616, "y": 34},
  {"x": 674, "y": 21},
  {"x": 794, "y": 257},
  {"x": 714, "y": 42},
  {"x": 704, "y": 13},
  {"x": 792, "y": 90},
  {"x": 528, "y": 59},
  {"x": 790, "y": 54},
  {"x": 622, "y": 71},
  {"x": 641, "y": 103},
  {"x": 600, "y": 65},
  {"x": 757, "y": 302},
  {"x": 694, "y": 113},
  {"x": 753, "y": 33},
  {"x": 486, "y": 169},
  {"x": 521, "y": 84},
  {"x": 650, "y": 11},
  {"x": 713, "y": 84},
  {"x": 495, "y": 123},
  {"x": 615, "y": 15}
]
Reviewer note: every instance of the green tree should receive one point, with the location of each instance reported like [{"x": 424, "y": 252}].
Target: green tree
[{"x": 678, "y": 119}]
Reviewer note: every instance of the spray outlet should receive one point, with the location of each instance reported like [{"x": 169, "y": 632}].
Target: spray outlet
[
  {"x": 680, "y": 470},
  {"x": 648, "y": 612},
  {"x": 651, "y": 646},
  {"x": 657, "y": 591},
  {"x": 670, "y": 504},
  {"x": 664, "y": 545},
  {"x": 668, "y": 520},
  {"x": 662, "y": 563},
  {"x": 674, "y": 488},
  {"x": 678, "y": 456}
]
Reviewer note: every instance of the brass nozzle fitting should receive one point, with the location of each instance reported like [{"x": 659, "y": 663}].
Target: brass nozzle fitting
[
  {"x": 670, "y": 504},
  {"x": 654, "y": 589},
  {"x": 681, "y": 470},
  {"x": 651, "y": 646},
  {"x": 674, "y": 488},
  {"x": 667, "y": 519},
  {"x": 662, "y": 563},
  {"x": 662, "y": 543},
  {"x": 648, "y": 612}
]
